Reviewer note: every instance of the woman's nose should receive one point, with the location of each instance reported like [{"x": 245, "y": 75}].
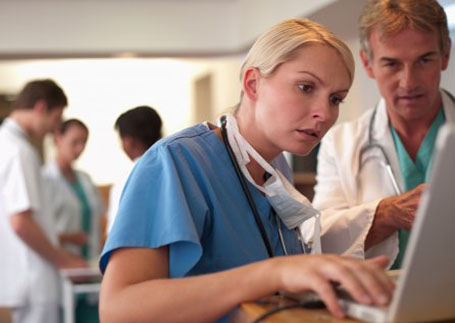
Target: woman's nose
[{"x": 322, "y": 110}]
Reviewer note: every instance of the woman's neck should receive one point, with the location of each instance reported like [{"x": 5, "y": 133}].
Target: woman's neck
[
  {"x": 66, "y": 169},
  {"x": 249, "y": 129}
]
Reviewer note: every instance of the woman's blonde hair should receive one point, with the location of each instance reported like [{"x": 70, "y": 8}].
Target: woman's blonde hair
[
  {"x": 391, "y": 17},
  {"x": 280, "y": 44}
]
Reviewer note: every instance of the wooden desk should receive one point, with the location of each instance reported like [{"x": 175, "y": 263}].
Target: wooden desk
[{"x": 249, "y": 311}]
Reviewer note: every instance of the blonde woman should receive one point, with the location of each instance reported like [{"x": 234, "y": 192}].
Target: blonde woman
[{"x": 189, "y": 244}]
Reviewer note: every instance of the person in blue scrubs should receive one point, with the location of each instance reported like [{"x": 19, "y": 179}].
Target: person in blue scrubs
[{"x": 185, "y": 245}]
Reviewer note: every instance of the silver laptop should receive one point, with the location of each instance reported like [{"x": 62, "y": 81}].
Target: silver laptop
[{"x": 425, "y": 289}]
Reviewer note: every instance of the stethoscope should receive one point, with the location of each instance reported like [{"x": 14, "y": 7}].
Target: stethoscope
[
  {"x": 251, "y": 202},
  {"x": 373, "y": 144}
]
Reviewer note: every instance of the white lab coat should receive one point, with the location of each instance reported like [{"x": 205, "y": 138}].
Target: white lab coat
[
  {"x": 348, "y": 197},
  {"x": 66, "y": 208},
  {"x": 25, "y": 277}
]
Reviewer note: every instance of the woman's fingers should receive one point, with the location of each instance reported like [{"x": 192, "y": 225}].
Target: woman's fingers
[
  {"x": 379, "y": 272},
  {"x": 365, "y": 281},
  {"x": 374, "y": 282},
  {"x": 326, "y": 292},
  {"x": 381, "y": 261},
  {"x": 342, "y": 271}
]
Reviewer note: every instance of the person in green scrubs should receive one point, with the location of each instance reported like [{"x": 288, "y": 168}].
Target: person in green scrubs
[{"x": 76, "y": 205}]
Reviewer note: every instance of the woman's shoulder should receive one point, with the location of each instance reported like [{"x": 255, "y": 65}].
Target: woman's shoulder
[
  {"x": 195, "y": 132},
  {"x": 189, "y": 139}
]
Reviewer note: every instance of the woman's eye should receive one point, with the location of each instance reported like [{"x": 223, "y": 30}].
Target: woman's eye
[
  {"x": 305, "y": 88},
  {"x": 336, "y": 100}
]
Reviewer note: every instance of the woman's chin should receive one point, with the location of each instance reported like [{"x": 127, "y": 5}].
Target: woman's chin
[{"x": 302, "y": 151}]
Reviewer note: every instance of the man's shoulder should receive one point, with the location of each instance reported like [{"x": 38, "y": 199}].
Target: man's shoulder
[{"x": 15, "y": 148}]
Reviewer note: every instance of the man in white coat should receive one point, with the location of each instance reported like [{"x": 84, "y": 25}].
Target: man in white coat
[
  {"x": 29, "y": 258},
  {"x": 368, "y": 208}
]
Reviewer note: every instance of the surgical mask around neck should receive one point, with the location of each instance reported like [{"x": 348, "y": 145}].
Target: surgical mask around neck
[{"x": 292, "y": 207}]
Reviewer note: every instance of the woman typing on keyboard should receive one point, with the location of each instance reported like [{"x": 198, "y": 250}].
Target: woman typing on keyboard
[{"x": 209, "y": 217}]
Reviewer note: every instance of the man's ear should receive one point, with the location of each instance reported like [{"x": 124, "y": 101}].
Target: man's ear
[
  {"x": 366, "y": 62},
  {"x": 250, "y": 83},
  {"x": 446, "y": 57},
  {"x": 40, "y": 107}
]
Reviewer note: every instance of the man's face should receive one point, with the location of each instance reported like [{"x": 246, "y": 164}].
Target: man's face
[
  {"x": 53, "y": 119},
  {"x": 45, "y": 120},
  {"x": 407, "y": 68}
]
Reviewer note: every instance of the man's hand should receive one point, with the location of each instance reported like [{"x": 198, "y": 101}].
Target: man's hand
[{"x": 393, "y": 213}]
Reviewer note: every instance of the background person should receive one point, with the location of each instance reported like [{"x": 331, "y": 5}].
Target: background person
[
  {"x": 405, "y": 47},
  {"x": 185, "y": 236},
  {"x": 76, "y": 203},
  {"x": 28, "y": 276},
  {"x": 139, "y": 128}
]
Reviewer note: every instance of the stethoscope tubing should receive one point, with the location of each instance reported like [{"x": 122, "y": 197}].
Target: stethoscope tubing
[
  {"x": 247, "y": 192},
  {"x": 374, "y": 144},
  {"x": 251, "y": 202}
]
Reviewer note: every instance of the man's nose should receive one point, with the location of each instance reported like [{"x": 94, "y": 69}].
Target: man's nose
[{"x": 408, "y": 77}]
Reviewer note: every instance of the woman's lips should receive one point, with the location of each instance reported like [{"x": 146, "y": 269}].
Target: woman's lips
[{"x": 309, "y": 134}]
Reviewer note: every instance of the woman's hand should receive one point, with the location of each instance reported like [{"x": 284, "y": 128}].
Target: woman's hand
[
  {"x": 75, "y": 238},
  {"x": 136, "y": 286},
  {"x": 366, "y": 281}
]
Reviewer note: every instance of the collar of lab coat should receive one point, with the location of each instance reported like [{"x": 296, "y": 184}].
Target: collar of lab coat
[
  {"x": 449, "y": 107},
  {"x": 13, "y": 127},
  {"x": 381, "y": 132}
]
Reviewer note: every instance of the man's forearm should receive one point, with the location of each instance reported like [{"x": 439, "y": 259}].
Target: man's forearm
[{"x": 31, "y": 233}]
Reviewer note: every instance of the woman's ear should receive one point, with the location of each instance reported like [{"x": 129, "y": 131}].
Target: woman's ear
[{"x": 250, "y": 83}]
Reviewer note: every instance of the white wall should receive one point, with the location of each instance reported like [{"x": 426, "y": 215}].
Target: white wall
[
  {"x": 100, "y": 89},
  {"x": 152, "y": 28}
]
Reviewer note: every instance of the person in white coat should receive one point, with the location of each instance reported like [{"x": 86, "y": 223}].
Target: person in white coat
[
  {"x": 76, "y": 202},
  {"x": 139, "y": 128},
  {"x": 369, "y": 207},
  {"x": 29, "y": 257}
]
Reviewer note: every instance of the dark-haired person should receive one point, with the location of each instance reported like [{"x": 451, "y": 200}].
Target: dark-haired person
[
  {"x": 76, "y": 202},
  {"x": 139, "y": 128},
  {"x": 29, "y": 257}
]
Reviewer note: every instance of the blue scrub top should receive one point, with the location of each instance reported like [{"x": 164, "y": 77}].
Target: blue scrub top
[
  {"x": 184, "y": 193},
  {"x": 415, "y": 173}
]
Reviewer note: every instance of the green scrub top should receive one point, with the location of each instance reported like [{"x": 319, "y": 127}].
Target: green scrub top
[
  {"x": 86, "y": 213},
  {"x": 415, "y": 173}
]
